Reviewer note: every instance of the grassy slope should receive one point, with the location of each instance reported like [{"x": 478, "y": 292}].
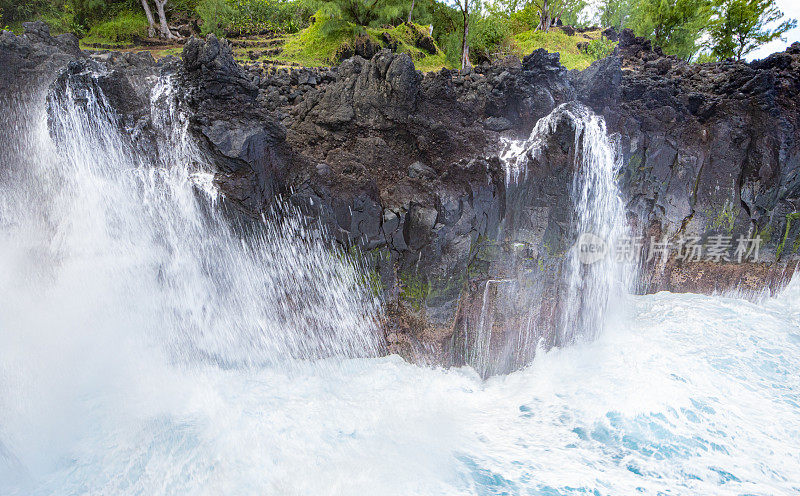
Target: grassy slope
[
  {"x": 404, "y": 35},
  {"x": 557, "y": 40}
]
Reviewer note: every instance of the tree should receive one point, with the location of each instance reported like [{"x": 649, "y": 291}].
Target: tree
[
  {"x": 552, "y": 10},
  {"x": 162, "y": 19},
  {"x": 463, "y": 6},
  {"x": 545, "y": 14},
  {"x": 570, "y": 12},
  {"x": 674, "y": 25},
  {"x": 615, "y": 13},
  {"x": 740, "y": 26},
  {"x": 151, "y": 30}
]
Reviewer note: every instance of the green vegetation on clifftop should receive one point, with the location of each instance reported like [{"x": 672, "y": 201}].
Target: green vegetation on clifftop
[
  {"x": 323, "y": 32},
  {"x": 329, "y": 37},
  {"x": 557, "y": 41}
]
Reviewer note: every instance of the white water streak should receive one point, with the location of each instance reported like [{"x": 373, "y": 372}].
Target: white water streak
[
  {"x": 599, "y": 210},
  {"x": 113, "y": 264}
]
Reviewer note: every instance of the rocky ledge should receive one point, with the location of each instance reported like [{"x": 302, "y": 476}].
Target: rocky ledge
[{"x": 406, "y": 168}]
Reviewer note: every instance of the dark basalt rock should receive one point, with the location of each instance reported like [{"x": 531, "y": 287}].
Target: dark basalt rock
[
  {"x": 363, "y": 46},
  {"x": 708, "y": 148},
  {"x": 245, "y": 138},
  {"x": 611, "y": 34},
  {"x": 28, "y": 64},
  {"x": 426, "y": 43},
  {"x": 34, "y": 57},
  {"x": 38, "y": 32}
]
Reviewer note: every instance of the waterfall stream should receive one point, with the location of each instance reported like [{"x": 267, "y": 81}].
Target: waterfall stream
[
  {"x": 244, "y": 297},
  {"x": 591, "y": 282},
  {"x": 590, "y": 286},
  {"x": 599, "y": 215},
  {"x": 112, "y": 257}
]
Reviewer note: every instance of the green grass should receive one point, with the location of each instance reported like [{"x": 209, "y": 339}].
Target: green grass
[
  {"x": 557, "y": 40},
  {"x": 318, "y": 44},
  {"x": 59, "y": 24},
  {"x": 87, "y": 42},
  {"x": 165, "y": 52},
  {"x": 125, "y": 27}
]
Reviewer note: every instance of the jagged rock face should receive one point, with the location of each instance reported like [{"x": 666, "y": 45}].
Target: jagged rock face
[
  {"x": 708, "y": 149},
  {"x": 34, "y": 57},
  {"x": 123, "y": 90},
  {"x": 245, "y": 139},
  {"x": 404, "y": 166},
  {"x": 393, "y": 162}
]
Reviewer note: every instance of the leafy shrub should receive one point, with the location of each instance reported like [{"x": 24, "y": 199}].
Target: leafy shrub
[
  {"x": 553, "y": 41},
  {"x": 58, "y": 14},
  {"x": 181, "y": 6},
  {"x": 298, "y": 15},
  {"x": 123, "y": 28},
  {"x": 320, "y": 42},
  {"x": 241, "y": 17},
  {"x": 90, "y": 12},
  {"x": 705, "y": 58},
  {"x": 13, "y": 11},
  {"x": 331, "y": 35},
  {"x": 524, "y": 19},
  {"x": 451, "y": 45},
  {"x": 215, "y": 16},
  {"x": 600, "y": 48},
  {"x": 372, "y": 13},
  {"x": 487, "y": 38},
  {"x": 409, "y": 38}
]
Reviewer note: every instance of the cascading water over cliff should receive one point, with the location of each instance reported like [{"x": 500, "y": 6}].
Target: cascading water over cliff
[
  {"x": 125, "y": 249},
  {"x": 580, "y": 285},
  {"x": 593, "y": 281}
]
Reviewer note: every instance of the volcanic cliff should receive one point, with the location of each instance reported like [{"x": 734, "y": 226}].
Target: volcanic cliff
[{"x": 405, "y": 169}]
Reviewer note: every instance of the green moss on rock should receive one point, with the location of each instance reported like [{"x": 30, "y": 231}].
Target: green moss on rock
[{"x": 789, "y": 219}]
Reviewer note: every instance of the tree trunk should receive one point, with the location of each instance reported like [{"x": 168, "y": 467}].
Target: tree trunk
[
  {"x": 741, "y": 42},
  {"x": 410, "y": 11},
  {"x": 464, "y": 44},
  {"x": 162, "y": 18},
  {"x": 544, "y": 16},
  {"x": 151, "y": 31}
]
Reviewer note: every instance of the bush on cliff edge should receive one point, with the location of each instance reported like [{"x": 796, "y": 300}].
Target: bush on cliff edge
[
  {"x": 330, "y": 35},
  {"x": 124, "y": 27}
]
